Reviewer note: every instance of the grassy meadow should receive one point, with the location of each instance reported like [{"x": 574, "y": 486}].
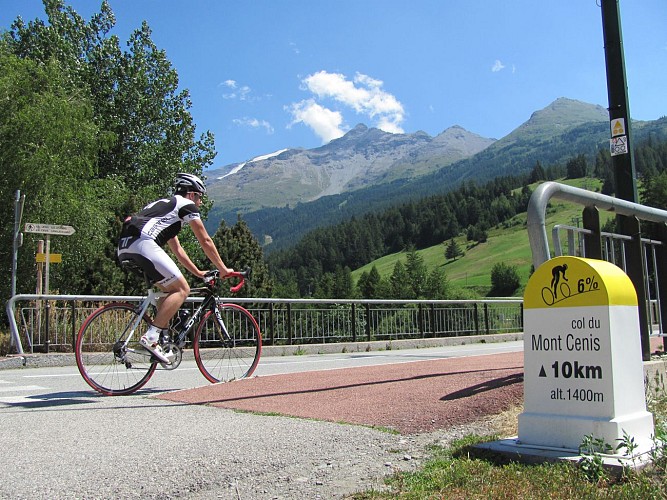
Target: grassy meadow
[{"x": 507, "y": 242}]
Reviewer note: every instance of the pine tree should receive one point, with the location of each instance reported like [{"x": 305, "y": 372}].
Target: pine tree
[
  {"x": 239, "y": 249},
  {"x": 453, "y": 250}
]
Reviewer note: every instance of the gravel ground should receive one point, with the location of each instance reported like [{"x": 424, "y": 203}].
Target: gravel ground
[{"x": 258, "y": 457}]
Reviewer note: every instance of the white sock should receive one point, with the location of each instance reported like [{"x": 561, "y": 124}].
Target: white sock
[{"x": 153, "y": 333}]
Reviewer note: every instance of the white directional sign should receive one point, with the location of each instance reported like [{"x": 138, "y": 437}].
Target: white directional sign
[{"x": 49, "y": 229}]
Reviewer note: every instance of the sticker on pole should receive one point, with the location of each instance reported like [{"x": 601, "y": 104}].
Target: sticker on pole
[
  {"x": 617, "y": 127},
  {"x": 618, "y": 145}
]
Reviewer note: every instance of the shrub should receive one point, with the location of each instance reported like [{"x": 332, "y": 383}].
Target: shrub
[
  {"x": 5, "y": 343},
  {"x": 504, "y": 280}
]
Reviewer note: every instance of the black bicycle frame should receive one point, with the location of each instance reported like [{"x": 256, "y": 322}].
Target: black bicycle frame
[{"x": 208, "y": 303}]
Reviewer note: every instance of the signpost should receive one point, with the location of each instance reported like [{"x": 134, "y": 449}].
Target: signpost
[
  {"x": 48, "y": 230},
  {"x": 47, "y": 257},
  {"x": 582, "y": 357}
]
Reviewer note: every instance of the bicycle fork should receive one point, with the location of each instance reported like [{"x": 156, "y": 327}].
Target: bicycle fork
[{"x": 226, "y": 338}]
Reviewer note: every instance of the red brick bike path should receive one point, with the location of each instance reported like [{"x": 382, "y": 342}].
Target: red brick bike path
[{"x": 415, "y": 397}]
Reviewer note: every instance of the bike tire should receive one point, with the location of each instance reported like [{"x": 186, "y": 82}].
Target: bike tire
[
  {"x": 223, "y": 359},
  {"x": 103, "y": 370}
]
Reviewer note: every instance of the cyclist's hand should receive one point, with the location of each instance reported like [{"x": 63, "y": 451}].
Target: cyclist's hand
[
  {"x": 210, "y": 276},
  {"x": 225, "y": 274}
]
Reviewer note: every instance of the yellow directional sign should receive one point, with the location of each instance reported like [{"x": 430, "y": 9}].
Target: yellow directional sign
[{"x": 54, "y": 258}]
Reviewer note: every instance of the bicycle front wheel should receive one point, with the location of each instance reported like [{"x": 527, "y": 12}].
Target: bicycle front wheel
[
  {"x": 105, "y": 362},
  {"x": 227, "y": 344}
]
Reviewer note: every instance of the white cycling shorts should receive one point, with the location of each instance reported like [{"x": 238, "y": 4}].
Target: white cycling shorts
[{"x": 158, "y": 266}]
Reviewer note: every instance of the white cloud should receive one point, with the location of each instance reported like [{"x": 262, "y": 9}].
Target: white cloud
[
  {"x": 295, "y": 48},
  {"x": 327, "y": 124},
  {"x": 497, "y": 66},
  {"x": 242, "y": 93},
  {"x": 254, "y": 123},
  {"x": 364, "y": 95}
]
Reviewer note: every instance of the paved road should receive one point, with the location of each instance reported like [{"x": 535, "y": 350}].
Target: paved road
[
  {"x": 59, "y": 439},
  {"x": 58, "y": 386}
]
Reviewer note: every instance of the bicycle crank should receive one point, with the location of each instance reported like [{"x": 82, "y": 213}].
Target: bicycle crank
[{"x": 175, "y": 353}]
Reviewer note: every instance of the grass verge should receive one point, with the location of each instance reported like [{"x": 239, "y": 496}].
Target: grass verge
[{"x": 462, "y": 471}]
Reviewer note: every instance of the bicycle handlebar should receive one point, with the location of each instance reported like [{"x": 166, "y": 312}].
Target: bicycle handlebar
[{"x": 211, "y": 278}]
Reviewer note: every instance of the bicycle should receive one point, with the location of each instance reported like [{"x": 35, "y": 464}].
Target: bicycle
[{"x": 227, "y": 342}]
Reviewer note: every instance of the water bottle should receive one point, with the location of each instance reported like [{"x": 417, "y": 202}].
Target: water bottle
[{"x": 180, "y": 320}]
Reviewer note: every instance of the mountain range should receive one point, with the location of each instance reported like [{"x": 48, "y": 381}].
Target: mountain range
[
  {"x": 363, "y": 157},
  {"x": 284, "y": 194}
]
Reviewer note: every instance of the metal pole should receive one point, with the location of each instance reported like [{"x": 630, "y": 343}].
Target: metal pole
[
  {"x": 40, "y": 269},
  {"x": 46, "y": 264},
  {"x": 622, "y": 159},
  {"x": 619, "y": 114},
  {"x": 46, "y": 292},
  {"x": 18, "y": 236}
]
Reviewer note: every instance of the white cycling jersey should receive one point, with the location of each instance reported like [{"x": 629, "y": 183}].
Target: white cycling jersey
[
  {"x": 145, "y": 233},
  {"x": 163, "y": 219}
]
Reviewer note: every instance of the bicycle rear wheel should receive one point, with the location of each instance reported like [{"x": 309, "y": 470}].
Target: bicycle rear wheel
[
  {"x": 227, "y": 347},
  {"x": 105, "y": 363}
]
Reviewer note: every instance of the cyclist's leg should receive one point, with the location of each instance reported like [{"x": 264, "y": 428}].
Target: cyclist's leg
[
  {"x": 163, "y": 272},
  {"x": 169, "y": 304}
]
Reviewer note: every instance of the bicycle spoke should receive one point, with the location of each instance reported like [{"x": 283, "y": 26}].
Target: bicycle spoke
[
  {"x": 105, "y": 362},
  {"x": 229, "y": 350}
]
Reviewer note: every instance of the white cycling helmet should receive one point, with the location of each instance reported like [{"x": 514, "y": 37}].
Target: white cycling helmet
[{"x": 188, "y": 182}]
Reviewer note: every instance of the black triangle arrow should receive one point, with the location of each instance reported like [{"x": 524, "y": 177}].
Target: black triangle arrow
[{"x": 542, "y": 372}]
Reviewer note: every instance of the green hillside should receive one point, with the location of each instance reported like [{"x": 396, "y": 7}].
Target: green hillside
[{"x": 507, "y": 243}]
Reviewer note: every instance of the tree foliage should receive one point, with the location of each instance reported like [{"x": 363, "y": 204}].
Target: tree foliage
[
  {"x": 417, "y": 225},
  {"x": 89, "y": 132},
  {"x": 240, "y": 250},
  {"x": 505, "y": 280}
]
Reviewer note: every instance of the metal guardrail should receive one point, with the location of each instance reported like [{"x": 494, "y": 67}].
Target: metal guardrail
[
  {"x": 645, "y": 262},
  {"x": 52, "y": 321},
  {"x": 537, "y": 210},
  {"x": 613, "y": 250}
]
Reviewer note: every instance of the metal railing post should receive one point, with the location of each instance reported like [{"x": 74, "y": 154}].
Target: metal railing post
[
  {"x": 290, "y": 334},
  {"x": 354, "y": 323},
  {"x": 592, "y": 240},
  {"x": 368, "y": 322},
  {"x": 476, "y": 320},
  {"x": 661, "y": 273},
  {"x": 73, "y": 314},
  {"x": 272, "y": 328}
]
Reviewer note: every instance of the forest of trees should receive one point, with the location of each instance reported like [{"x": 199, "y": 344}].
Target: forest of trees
[{"x": 90, "y": 132}]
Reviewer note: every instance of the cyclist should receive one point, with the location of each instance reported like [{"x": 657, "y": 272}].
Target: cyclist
[{"x": 156, "y": 225}]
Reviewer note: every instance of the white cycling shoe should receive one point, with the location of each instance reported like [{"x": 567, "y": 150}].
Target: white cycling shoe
[{"x": 156, "y": 349}]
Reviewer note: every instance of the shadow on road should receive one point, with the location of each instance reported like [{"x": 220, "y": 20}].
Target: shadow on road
[{"x": 489, "y": 385}]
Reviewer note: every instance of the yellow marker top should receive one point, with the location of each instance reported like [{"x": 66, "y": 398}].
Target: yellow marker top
[{"x": 577, "y": 282}]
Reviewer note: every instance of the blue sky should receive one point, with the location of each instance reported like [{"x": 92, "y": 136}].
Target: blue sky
[{"x": 265, "y": 75}]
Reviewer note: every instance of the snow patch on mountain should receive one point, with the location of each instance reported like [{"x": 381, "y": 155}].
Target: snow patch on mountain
[{"x": 238, "y": 167}]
